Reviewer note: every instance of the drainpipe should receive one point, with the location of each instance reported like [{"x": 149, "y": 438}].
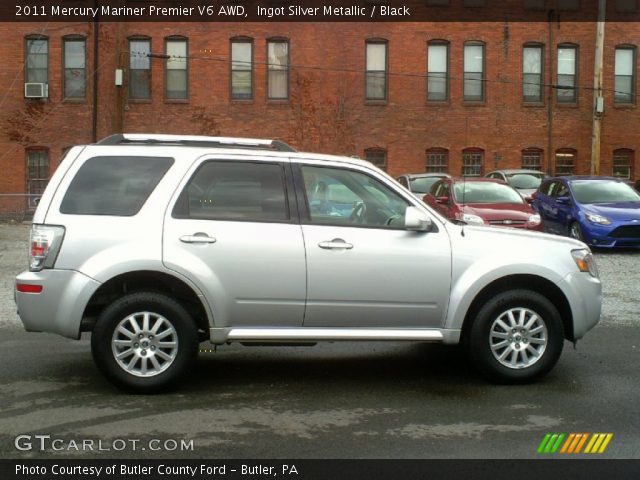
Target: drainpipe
[
  {"x": 598, "y": 100},
  {"x": 551, "y": 19},
  {"x": 96, "y": 63}
]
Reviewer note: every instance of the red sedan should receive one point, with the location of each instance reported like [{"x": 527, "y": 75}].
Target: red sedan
[{"x": 482, "y": 201}]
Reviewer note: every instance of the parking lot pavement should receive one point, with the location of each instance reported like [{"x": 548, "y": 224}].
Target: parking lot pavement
[{"x": 363, "y": 400}]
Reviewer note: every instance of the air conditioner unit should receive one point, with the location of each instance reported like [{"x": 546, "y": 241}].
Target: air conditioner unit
[{"x": 36, "y": 90}]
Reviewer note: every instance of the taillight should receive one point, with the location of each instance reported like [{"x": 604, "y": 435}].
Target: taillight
[{"x": 44, "y": 246}]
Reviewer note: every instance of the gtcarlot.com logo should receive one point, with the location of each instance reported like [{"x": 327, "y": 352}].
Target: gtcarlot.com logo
[{"x": 574, "y": 443}]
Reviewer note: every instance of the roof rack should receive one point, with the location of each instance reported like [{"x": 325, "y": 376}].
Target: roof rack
[{"x": 195, "y": 141}]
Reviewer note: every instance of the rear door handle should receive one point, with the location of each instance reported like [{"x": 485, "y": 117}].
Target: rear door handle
[
  {"x": 199, "y": 237},
  {"x": 335, "y": 244}
]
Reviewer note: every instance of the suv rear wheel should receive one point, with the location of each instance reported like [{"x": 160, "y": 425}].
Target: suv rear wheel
[
  {"x": 144, "y": 341},
  {"x": 516, "y": 337}
]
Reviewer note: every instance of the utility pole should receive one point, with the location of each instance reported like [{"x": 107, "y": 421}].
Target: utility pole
[{"x": 598, "y": 100}]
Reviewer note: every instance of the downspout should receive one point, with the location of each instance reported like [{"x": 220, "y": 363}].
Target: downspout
[
  {"x": 551, "y": 18},
  {"x": 94, "y": 119}
]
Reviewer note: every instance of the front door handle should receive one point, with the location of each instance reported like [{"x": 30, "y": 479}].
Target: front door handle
[
  {"x": 335, "y": 244},
  {"x": 199, "y": 237}
]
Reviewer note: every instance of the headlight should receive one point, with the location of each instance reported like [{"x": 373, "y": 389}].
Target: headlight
[
  {"x": 599, "y": 219},
  {"x": 585, "y": 262},
  {"x": 534, "y": 220},
  {"x": 470, "y": 218}
]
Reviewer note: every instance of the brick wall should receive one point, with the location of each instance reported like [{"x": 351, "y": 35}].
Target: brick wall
[{"x": 326, "y": 110}]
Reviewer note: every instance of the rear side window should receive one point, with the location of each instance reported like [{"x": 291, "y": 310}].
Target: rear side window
[
  {"x": 116, "y": 186},
  {"x": 227, "y": 190}
]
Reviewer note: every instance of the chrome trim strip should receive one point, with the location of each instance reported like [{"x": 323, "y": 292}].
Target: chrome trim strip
[{"x": 319, "y": 334}]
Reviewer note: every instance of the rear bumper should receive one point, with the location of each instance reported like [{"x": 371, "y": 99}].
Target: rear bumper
[
  {"x": 60, "y": 305},
  {"x": 585, "y": 299}
]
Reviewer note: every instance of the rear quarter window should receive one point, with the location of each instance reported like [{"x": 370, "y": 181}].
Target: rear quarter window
[{"x": 114, "y": 185}]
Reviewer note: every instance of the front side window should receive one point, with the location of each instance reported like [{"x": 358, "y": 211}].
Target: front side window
[
  {"x": 176, "y": 69},
  {"x": 566, "y": 80},
  {"x": 37, "y": 175},
  {"x": 235, "y": 191},
  {"x": 37, "y": 60},
  {"x": 472, "y": 162},
  {"x": 376, "y": 71},
  {"x": 437, "y": 160},
  {"x": 241, "y": 69},
  {"x": 278, "y": 69},
  {"x": 75, "y": 77},
  {"x": 565, "y": 162},
  {"x": 351, "y": 198},
  {"x": 532, "y": 159},
  {"x": 113, "y": 185},
  {"x": 532, "y": 74},
  {"x": 139, "y": 69},
  {"x": 473, "y": 89},
  {"x": 437, "y": 77},
  {"x": 622, "y": 163},
  {"x": 625, "y": 77}
]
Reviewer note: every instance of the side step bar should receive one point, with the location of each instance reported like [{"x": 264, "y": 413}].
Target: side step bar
[{"x": 310, "y": 334}]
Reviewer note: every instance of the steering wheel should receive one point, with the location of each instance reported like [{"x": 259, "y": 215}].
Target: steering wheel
[{"x": 358, "y": 213}]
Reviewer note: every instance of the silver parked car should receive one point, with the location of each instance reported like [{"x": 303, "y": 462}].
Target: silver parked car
[{"x": 155, "y": 243}]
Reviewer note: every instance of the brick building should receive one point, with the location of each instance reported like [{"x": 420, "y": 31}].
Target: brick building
[{"x": 463, "y": 97}]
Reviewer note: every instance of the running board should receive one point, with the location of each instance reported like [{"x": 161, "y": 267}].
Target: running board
[{"x": 309, "y": 334}]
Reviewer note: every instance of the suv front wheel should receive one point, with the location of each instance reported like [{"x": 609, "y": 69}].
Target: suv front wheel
[
  {"x": 144, "y": 341},
  {"x": 516, "y": 337}
]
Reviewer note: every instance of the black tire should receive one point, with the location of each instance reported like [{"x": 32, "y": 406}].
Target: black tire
[
  {"x": 575, "y": 231},
  {"x": 485, "y": 337},
  {"x": 175, "y": 328}
]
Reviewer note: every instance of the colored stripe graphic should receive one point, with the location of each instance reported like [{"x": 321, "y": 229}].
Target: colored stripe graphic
[{"x": 574, "y": 443}]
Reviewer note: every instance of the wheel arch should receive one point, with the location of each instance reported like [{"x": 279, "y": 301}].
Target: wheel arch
[
  {"x": 534, "y": 283},
  {"x": 147, "y": 280}
]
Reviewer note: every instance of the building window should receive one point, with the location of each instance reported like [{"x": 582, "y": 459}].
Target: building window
[
  {"x": 533, "y": 4},
  {"x": 37, "y": 175},
  {"x": 75, "y": 77},
  {"x": 437, "y": 76},
  {"x": 565, "y": 162},
  {"x": 242, "y": 69},
  {"x": 623, "y": 163},
  {"x": 176, "y": 68},
  {"x": 377, "y": 156},
  {"x": 438, "y": 3},
  {"x": 36, "y": 60},
  {"x": 437, "y": 160},
  {"x": 278, "y": 69},
  {"x": 624, "y": 72},
  {"x": 139, "y": 68},
  {"x": 567, "y": 56},
  {"x": 532, "y": 73},
  {"x": 568, "y": 4},
  {"x": 472, "y": 162},
  {"x": 474, "y": 3},
  {"x": 532, "y": 159},
  {"x": 473, "y": 72},
  {"x": 376, "y": 70},
  {"x": 626, "y": 6}
]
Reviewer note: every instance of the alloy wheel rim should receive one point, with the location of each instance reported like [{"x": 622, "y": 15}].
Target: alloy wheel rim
[
  {"x": 518, "y": 338},
  {"x": 144, "y": 344},
  {"x": 575, "y": 232}
]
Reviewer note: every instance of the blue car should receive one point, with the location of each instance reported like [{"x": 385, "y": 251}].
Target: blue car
[{"x": 600, "y": 211}]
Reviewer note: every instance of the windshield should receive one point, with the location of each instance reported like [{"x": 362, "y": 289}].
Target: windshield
[
  {"x": 603, "y": 192},
  {"x": 525, "y": 180},
  {"x": 485, "y": 192},
  {"x": 423, "y": 184}
]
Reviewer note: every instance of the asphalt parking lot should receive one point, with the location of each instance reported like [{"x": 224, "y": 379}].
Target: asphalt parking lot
[{"x": 335, "y": 400}]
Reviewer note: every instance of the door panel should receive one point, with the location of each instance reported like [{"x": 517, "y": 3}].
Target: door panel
[
  {"x": 231, "y": 232},
  {"x": 363, "y": 268}
]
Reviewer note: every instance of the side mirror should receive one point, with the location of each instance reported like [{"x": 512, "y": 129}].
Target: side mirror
[
  {"x": 563, "y": 200},
  {"x": 417, "y": 220}
]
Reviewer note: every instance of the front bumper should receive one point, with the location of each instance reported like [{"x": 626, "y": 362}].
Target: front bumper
[
  {"x": 614, "y": 235},
  {"x": 585, "y": 299},
  {"x": 60, "y": 306}
]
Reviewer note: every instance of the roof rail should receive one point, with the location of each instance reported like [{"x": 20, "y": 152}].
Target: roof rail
[{"x": 195, "y": 141}]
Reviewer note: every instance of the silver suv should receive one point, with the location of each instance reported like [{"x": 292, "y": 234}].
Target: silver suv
[{"x": 155, "y": 243}]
